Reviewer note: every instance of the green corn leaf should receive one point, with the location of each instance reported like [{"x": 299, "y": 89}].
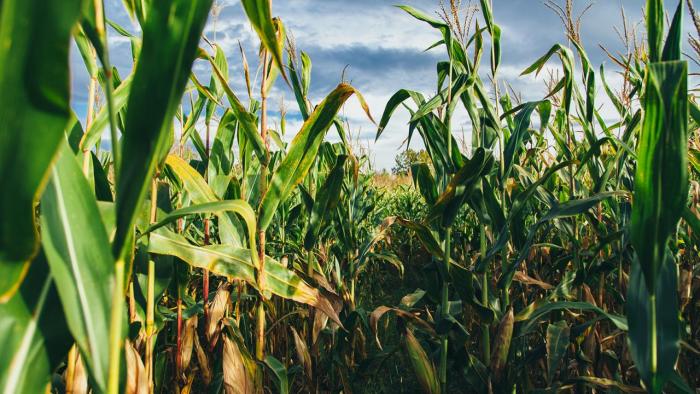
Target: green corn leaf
[
  {"x": 487, "y": 13},
  {"x": 171, "y": 35},
  {"x": 326, "y": 200},
  {"x": 33, "y": 332},
  {"x": 519, "y": 203},
  {"x": 83, "y": 44},
  {"x": 654, "y": 328},
  {"x": 101, "y": 120},
  {"x": 280, "y": 373},
  {"x": 557, "y": 341},
  {"x": 200, "y": 193},
  {"x": 77, "y": 249},
  {"x": 459, "y": 86},
  {"x": 577, "y": 206},
  {"x": 519, "y": 136},
  {"x": 215, "y": 85},
  {"x": 454, "y": 50},
  {"x": 694, "y": 159},
  {"x": 461, "y": 186},
  {"x": 567, "y": 61},
  {"x": 35, "y": 110},
  {"x": 425, "y": 236},
  {"x": 655, "y": 28},
  {"x": 240, "y": 207},
  {"x": 246, "y": 120},
  {"x": 259, "y": 14},
  {"x": 395, "y": 100},
  {"x": 621, "y": 110},
  {"x": 531, "y": 315},
  {"x": 661, "y": 179},
  {"x": 103, "y": 191},
  {"x": 236, "y": 263},
  {"x": 422, "y": 366},
  {"x": 558, "y": 211},
  {"x": 303, "y": 150},
  {"x": 672, "y": 47},
  {"x": 298, "y": 82},
  {"x": 496, "y": 55},
  {"x": 692, "y": 220},
  {"x": 424, "y": 179},
  {"x": 193, "y": 117}
]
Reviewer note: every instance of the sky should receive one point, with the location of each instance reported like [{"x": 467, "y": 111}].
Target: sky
[{"x": 380, "y": 49}]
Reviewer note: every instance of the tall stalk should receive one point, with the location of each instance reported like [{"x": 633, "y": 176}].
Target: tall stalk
[
  {"x": 92, "y": 91},
  {"x": 115, "y": 328},
  {"x": 109, "y": 86},
  {"x": 260, "y": 321},
  {"x": 205, "y": 274},
  {"x": 445, "y": 291},
  {"x": 150, "y": 292},
  {"x": 485, "y": 329},
  {"x": 445, "y": 309}
]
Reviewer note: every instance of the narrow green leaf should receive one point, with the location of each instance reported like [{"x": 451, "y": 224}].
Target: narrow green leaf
[
  {"x": 395, "y": 100},
  {"x": 557, "y": 341},
  {"x": 240, "y": 207},
  {"x": 236, "y": 263},
  {"x": 34, "y": 337},
  {"x": 326, "y": 200},
  {"x": 422, "y": 366},
  {"x": 246, "y": 120},
  {"x": 260, "y": 16},
  {"x": 101, "y": 120},
  {"x": 303, "y": 151},
  {"x": 655, "y": 28},
  {"x": 35, "y": 110},
  {"x": 519, "y": 136},
  {"x": 672, "y": 47},
  {"x": 661, "y": 179},
  {"x": 77, "y": 249},
  {"x": 654, "y": 328},
  {"x": 200, "y": 193},
  {"x": 171, "y": 36},
  {"x": 533, "y": 313},
  {"x": 280, "y": 373}
]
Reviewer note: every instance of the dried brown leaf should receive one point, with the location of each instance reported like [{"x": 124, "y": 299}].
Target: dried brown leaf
[
  {"x": 237, "y": 377},
  {"x": 136, "y": 379}
]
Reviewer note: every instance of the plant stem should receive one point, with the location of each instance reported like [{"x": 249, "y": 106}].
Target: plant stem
[
  {"x": 115, "y": 328},
  {"x": 485, "y": 329},
  {"x": 445, "y": 309},
  {"x": 150, "y": 294},
  {"x": 260, "y": 326},
  {"x": 88, "y": 120},
  {"x": 109, "y": 88},
  {"x": 178, "y": 360},
  {"x": 205, "y": 274}
]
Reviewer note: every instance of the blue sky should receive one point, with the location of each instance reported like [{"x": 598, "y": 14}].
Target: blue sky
[{"x": 383, "y": 50}]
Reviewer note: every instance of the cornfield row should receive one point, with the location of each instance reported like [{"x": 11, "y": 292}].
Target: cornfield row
[{"x": 555, "y": 251}]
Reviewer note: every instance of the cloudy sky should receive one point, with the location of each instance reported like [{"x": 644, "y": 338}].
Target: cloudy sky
[{"x": 383, "y": 49}]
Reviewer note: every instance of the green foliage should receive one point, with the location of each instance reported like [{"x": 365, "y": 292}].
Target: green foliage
[
  {"x": 545, "y": 254},
  {"x": 34, "y": 110}
]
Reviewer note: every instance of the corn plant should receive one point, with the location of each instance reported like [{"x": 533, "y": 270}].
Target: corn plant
[{"x": 207, "y": 251}]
